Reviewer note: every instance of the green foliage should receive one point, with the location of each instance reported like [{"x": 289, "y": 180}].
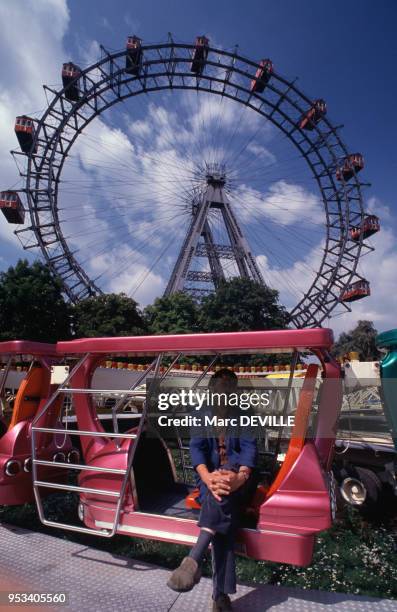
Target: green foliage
[
  {"x": 108, "y": 315},
  {"x": 237, "y": 305},
  {"x": 241, "y": 304},
  {"x": 362, "y": 339},
  {"x": 32, "y": 306},
  {"x": 173, "y": 314}
]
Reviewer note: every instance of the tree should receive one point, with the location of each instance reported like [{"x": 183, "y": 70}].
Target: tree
[
  {"x": 173, "y": 314},
  {"x": 241, "y": 304},
  {"x": 110, "y": 314},
  {"x": 32, "y": 306},
  {"x": 361, "y": 339}
]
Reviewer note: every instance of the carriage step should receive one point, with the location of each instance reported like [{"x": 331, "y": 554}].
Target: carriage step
[{"x": 103, "y": 533}]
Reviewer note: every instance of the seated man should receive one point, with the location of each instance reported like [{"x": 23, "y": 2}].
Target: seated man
[{"x": 224, "y": 466}]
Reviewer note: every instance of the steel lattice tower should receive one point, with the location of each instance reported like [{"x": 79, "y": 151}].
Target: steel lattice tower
[{"x": 199, "y": 243}]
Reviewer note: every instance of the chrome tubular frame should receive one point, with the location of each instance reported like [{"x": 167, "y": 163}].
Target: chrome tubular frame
[{"x": 120, "y": 495}]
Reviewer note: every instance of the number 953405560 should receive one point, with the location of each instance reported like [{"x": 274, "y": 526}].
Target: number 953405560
[{"x": 26, "y": 598}]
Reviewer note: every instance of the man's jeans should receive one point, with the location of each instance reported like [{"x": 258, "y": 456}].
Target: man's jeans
[{"x": 223, "y": 517}]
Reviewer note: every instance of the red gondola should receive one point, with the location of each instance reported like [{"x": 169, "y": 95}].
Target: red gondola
[
  {"x": 313, "y": 115},
  {"x": 25, "y": 131},
  {"x": 352, "y": 165},
  {"x": 262, "y": 76},
  {"x": 11, "y": 207},
  {"x": 119, "y": 466},
  {"x": 356, "y": 291},
  {"x": 70, "y": 79},
  {"x": 200, "y": 54},
  {"x": 133, "y": 58},
  {"x": 16, "y": 420},
  {"x": 369, "y": 227}
]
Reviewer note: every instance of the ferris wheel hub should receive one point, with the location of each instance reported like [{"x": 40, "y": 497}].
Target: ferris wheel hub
[{"x": 216, "y": 175}]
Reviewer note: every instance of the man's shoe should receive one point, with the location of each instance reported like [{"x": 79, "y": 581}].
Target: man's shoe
[
  {"x": 186, "y": 576},
  {"x": 222, "y": 604}
]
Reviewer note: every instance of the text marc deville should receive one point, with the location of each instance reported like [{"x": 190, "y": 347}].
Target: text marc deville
[{"x": 243, "y": 420}]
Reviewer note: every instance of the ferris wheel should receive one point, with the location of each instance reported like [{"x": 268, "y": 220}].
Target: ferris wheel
[{"x": 201, "y": 165}]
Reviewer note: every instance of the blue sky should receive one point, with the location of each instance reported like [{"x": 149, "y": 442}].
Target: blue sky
[{"x": 342, "y": 52}]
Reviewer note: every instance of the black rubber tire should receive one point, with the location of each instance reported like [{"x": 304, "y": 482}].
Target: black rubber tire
[{"x": 372, "y": 484}]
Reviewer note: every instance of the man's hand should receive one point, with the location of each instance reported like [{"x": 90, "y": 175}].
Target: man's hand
[
  {"x": 223, "y": 482},
  {"x": 217, "y": 483},
  {"x": 233, "y": 479}
]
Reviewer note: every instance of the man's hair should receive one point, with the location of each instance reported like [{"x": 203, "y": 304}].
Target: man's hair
[{"x": 225, "y": 373}]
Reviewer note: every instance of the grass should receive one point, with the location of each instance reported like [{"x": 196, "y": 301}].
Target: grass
[{"x": 358, "y": 555}]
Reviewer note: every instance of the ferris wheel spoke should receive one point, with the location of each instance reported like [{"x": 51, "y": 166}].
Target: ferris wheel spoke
[
  {"x": 282, "y": 277},
  {"x": 107, "y": 214},
  {"x": 105, "y": 230},
  {"x": 288, "y": 247},
  {"x": 138, "y": 245},
  {"x": 127, "y": 262},
  {"x": 149, "y": 270},
  {"x": 277, "y": 206},
  {"x": 122, "y": 164}
]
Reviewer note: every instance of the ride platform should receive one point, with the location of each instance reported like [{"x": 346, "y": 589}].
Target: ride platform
[{"x": 95, "y": 580}]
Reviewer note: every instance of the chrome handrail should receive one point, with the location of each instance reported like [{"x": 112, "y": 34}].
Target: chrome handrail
[
  {"x": 78, "y": 466},
  {"x": 107, "y": 533},
  {"x": 85, "y": 432}
]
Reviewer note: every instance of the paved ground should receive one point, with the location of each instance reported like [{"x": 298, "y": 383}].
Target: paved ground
[{"x": 99, "y": 581}]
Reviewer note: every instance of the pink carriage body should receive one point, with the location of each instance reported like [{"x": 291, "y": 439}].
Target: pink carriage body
[{"x": 298, "y": 505}]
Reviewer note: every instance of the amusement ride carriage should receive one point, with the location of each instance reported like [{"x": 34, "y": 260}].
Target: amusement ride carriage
[{"x": 129, "y": 484}]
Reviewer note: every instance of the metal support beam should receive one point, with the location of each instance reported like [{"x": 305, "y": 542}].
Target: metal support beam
[{"x": 183, "y": 276}]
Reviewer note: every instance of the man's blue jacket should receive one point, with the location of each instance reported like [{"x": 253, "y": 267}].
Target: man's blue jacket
[{"x": 240, "y": 451}]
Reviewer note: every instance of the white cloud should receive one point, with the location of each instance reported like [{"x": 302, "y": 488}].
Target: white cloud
[
  {"x": 89, "y": 52},
  {"x": 24, "y": 65},
  {"x": 261, "y": 152},
  {"x": 139, "y": 128},
  {"x": 135, "y": 279},
  {"x": 376, "y": 207},
  {"x": 284, "y": 203},
  {"x": 292, "y": 282}
]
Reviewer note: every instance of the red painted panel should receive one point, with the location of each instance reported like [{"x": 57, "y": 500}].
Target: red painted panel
[
  {"x": 236, "y": 342},
  {"x": 26, "y": 347}
]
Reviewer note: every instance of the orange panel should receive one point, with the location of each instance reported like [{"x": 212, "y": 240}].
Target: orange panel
[
  {"x": 31, "y": 390},
  {"x": 191, "y": 500},
  {"x": 299, "y": 431}
]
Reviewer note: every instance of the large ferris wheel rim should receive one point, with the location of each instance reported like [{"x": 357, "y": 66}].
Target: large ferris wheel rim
[{"x": 307, "y": 311}]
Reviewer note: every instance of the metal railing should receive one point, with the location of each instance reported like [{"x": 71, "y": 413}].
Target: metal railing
[{"x": 126, "y": 473}]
